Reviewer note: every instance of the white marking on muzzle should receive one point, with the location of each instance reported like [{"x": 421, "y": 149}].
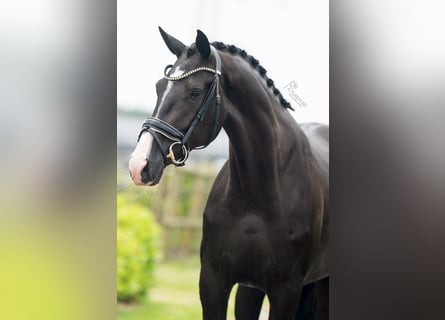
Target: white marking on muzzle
[{"x": 139, "y": 158}]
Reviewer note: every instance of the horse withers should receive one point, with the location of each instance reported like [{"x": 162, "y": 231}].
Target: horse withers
[{"x": 265, "y": 225}]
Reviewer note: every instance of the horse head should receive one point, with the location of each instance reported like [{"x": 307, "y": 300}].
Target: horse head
[{"x": 189, "y": 111}]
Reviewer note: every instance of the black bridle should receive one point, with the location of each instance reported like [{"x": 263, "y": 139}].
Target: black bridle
[{"x": 157, "y": 126}]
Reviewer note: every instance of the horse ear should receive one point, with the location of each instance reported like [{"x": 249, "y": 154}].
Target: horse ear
[
  {"x": 202, "y": 44},
  {"x": 173, "y": 44}
]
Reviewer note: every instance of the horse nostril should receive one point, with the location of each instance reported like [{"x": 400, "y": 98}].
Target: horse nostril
[{"x": 145, "y": 175}]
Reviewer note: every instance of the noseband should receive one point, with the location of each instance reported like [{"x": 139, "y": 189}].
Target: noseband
[{"x": 157, "y": 126}]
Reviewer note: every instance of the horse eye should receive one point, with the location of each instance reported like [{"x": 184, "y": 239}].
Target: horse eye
[{"x": 195, "y": 93}]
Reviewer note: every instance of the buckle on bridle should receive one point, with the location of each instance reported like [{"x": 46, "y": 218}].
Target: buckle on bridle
[{"x": 171, "y": 154}]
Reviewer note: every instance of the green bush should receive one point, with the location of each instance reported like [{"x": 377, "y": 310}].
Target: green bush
[{"x": 137, "y": 249}]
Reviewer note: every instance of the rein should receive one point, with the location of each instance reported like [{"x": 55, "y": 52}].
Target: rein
[{"x": 157, "y": 126}]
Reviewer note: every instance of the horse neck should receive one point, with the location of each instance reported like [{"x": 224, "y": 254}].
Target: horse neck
[{"x": 265, "y": 141}]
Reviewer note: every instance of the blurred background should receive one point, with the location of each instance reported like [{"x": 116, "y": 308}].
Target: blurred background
[
  {"x": 58, "y": 99},
  {"x": 291, "y": 40}
]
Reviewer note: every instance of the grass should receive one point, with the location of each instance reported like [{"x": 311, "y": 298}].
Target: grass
[{"x": 175, "y": 295}]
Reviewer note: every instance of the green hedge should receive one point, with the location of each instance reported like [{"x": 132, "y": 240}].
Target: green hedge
[{"x": 137, "y": 249}]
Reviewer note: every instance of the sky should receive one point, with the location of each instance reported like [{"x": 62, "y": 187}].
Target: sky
[{"x": 289, "y": 38}]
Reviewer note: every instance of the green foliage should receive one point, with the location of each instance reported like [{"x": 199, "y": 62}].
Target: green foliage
[
  {"x": 177, "y": 202},
  {"x": 137, "y": 249},
  {"x": 175, "y": 295}
]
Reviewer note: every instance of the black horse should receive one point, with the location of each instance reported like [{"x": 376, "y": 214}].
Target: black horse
[{"x": 266, "y": 221}]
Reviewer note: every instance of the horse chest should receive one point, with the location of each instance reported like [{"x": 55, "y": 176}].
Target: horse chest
[{"x": 252, "y": 244}]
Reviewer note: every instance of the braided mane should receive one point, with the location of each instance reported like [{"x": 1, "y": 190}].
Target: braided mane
[{"x": 233, "y": 50}]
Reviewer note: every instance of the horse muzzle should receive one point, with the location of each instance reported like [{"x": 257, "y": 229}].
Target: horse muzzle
[{"x": 145, "y": 169}]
